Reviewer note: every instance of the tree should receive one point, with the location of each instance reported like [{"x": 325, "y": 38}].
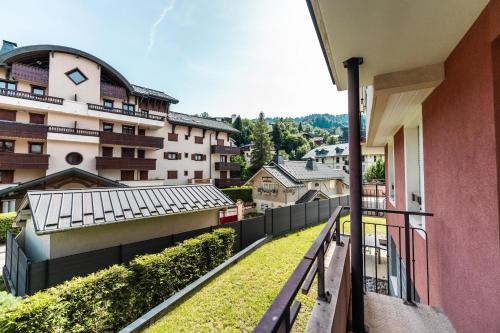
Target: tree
[
  {"x": 300, "y": 128},
  {"x": 277, "y": 136},
  {"x": 331, "y": 140},
  {"x": 261, "y": 154},
  {"x": 238, "y": 137},
  {"x": 376, "y": 171},
  {"x": 247, "y": 131},
  {"x": 244, "y": 172}
]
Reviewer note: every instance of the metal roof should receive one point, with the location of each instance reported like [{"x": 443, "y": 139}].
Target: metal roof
[
  {"x": 310, "y": 196},
  {"x": 151, "y": 93},
  {"x": 341, "y": 149},
  {"x": 60, "y": 210},
  {"x": 200, "y": 122},
  {"x": 284, "y": 179},
  {"x": 298, "y": 171}
]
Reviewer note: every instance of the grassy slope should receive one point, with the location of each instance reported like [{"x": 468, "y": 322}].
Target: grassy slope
[{"x": 236, "y": 300}]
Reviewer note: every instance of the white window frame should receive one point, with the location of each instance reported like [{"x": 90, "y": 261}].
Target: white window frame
[{"x": 391, "y": 169}]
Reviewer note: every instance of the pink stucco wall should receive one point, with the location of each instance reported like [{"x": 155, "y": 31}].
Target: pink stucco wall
[{"x": 461, "y": 134}]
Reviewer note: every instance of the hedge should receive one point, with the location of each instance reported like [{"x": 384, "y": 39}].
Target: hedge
[
  {"x": 108, "y": 300},
  {"x": 6, "y": 221},
  {"x": 243, "y": 193}
]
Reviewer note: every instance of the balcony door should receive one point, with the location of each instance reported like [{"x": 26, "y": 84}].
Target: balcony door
[
  {"x": 128, "y": 152},
  {"x": 223, "y": 175}
]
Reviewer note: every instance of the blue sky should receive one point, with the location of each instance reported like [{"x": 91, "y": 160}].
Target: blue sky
[{"x": 218, "y": 56}]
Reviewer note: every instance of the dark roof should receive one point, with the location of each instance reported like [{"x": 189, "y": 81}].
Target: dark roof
[
  {"x": 341, "y": 149},
  {"x": 283, "y": 178},
  {"x": 151, "y": 93},
  {"x": 199, "y": 122},
  {"x": 298, "y": 171},
  {"x": 60, "y": 210},
  {"x": 71, "y": 172},
  {"x": 310, "y": 196},
  {"x": 24, "y": 51}
]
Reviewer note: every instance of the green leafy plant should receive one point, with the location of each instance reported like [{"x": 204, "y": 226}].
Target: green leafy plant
[
  {"x": 376, "y": 171},
  {"x": 243, "y": 193},
  {"x": 6, "y": 221}
]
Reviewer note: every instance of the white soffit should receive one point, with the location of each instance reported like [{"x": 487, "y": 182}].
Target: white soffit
[{"x": 391, "y": 35}]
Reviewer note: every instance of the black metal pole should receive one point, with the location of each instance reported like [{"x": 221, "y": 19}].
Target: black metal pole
[
  {"x": 408, "y": 300},
  {"x": 355, "y": 177}
]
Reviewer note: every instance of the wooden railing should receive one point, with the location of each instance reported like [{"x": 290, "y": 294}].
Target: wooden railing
[
  {"x": 228, "y": 182},
  {"x": 112, "y": 138},
  {"x": 140, "y": 114},
  {"x": 22, "y": 130},
  {"x": 30, "y": 96},
  {"x": 13, "y": 161},
  {"x": 227, "y": 166},
  {"x": 219, "y": 149},
  {"x": 74, "y": 131},
  {"x": 125, "y": 163}
]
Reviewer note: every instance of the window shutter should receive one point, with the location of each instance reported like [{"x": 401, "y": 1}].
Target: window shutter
[
  {"x": 192, "y": 157},
  {"x": 204, "y": 158},
  {"x": 179, "y": 156}
]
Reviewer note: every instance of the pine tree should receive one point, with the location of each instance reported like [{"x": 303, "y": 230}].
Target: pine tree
[
  {"x": 300, "y": 128},
  {"x": 261, "y": 154},
  {"x": 277, "y": 136},
  {"x": 238, "y": 138}
]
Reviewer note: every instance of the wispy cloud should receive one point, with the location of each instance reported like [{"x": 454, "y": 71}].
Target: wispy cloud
[{"x": 154, "y": 27}]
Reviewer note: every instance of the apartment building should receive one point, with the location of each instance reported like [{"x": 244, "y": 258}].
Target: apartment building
[
  {"x": 337, "y": 156},
  {"x": 61, "y": 108}
]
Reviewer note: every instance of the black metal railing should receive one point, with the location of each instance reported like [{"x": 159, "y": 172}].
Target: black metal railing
[
  {"x": 373, "y": 197},
  {"x": 30, "y": 96},
  {"x": 72, "y": 130},
  {"x": 140, "y": 114},
  {"x": 281, "y": 315},
  {"x": 378, "y": 240}
]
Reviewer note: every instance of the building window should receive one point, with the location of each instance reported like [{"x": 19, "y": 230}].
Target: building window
[
  {"x": 38, "y": 90},
  {"x": 198, "y": 139},
  {"x": 220, "y": 142},
  {"x": 7, "y": 115},
  {"x": 6, "y": 176},
  {"x": 107, "y": 127},
  {"x": 128, "y": 152},
  {"x": 8, "y": 85},
  {"x": 414, "y": 172},
  {"x": 172, "y": 156},
  {"x": 143, "y": 175},
  {"x": 223, "y": 158},
  {"x": 141, "y": 153},
  {"x": 337, "y": 159},
  {"x": 108, "y": 104},
  {"x": 268, "y": 188},
  {"x": 76, "y": 76},
  {"x": 8, "y": 206},
  {"x": 6, "y": 146},
  {"x": 35, "y": 148},
  {"x": 141, "y": 131},
  {"x": 74, "y": 158},
  {"x": 186, "y": 155},
  {"x": 107, "y": 151},
  {"x": 172, "y": 136},
  {"x": 185, "y": 173},
  {"x": 128, "y": 107},
  {"x": 198, "y": 174},
  {"x": 172, "y": 174},
  {"x": 198, "y": 157},
  {"x": 36, "y": 118},
  {"x": 126, "y": 174},
  {"x": 128, "y": 129}
]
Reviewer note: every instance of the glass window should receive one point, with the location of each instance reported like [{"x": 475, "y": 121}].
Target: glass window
[
  {"x": 107, "y": 151},
  {"x": 141, "y": 153},
  {"x": 8, "y": 85},
  {"x": 172, "y": 156},
  {"x": 108, "y": 104},
  {"x": 74, "y": 158},
  {"x": 128, "y": 107},
  {"x": 38, "y": 91},
  {"x": 128, "y": 129},
  {"x": 36, "y": 148},
  {"x": 76, "y": 76},
  {"x": 107, "y": 127},
  {"x": 7, "y": 146},
  {"x": 198, "y": 157}
]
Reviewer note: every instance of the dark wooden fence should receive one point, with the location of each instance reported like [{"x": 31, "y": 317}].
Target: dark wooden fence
[{"x": 31, "y": 277}]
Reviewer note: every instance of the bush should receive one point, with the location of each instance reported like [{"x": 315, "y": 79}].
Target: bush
[
  {"x": 243, "y": 193},
  {"x": 6, "y": 221},
  {"x": 111, "y": 298}
]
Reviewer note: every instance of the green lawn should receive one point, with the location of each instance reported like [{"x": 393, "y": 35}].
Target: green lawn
[
  {"x": 369, "y": 229},
  {"x": 236, "y": 300}
]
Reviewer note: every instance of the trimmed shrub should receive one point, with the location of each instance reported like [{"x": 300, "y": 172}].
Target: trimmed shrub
[
  {"x": 243, "y": 193},
  {"x": 6, "y": 221},
  {"x": 107, "y": 300}
]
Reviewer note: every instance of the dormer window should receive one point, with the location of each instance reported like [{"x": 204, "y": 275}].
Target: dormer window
[{"x": 76, "y": 76}]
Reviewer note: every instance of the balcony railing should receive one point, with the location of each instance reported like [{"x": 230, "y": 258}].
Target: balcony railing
[
  {"x": 112, "y": 138},
  {"x": 227, "y": 166},
  {"x": 15, "y": 161},
  {"x": 22, "y": 130},
  {"x": 30, "y": 96},
  {"x": 73, "y": 131},
  {"x": 125, "y": 163},
  {"x": 140, "y": 114},
  {"x": 30, "y": 73},
  {"x": 227, "y": 150},
  {"x": 228, "y": 182}
]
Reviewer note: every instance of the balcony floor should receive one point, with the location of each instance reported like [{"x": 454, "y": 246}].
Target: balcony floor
[{"x": 385, "y": 314}]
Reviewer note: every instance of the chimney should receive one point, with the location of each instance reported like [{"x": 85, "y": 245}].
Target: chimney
[
  {"x": 7, "y": 46},
  {"x": 278, "y": 159},
  {"x": 311, "y": 165}
]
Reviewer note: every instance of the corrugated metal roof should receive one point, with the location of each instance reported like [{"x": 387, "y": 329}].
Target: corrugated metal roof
[{"x": 58, "y": 210}]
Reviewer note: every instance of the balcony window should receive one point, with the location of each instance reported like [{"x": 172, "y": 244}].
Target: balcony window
[
  {"x": 6, "y": 146},
  {"x": 128, "y": 108},
  {"x": 8, "y": 85},
  {"x": 128, "y": 129},
  {"x": 223, "y": 158},
  {"x": 126, "y": 174},
  {"x": 35, "y": 148},
  {"x": 108, "y": 104},
  {"x": 76, "y": 76},
  {"x": 220, "y": 142},
  {"x": 36, "y": 118},
  {"x": 141, "y": 153},
  {"x": 128, "y": 152},
  {"x": 107, "y": 127},
  {"x": 6, "y": 177},
  {"x": 143, "y": 175},
  {"x": 107, "y": 151},
  {"x": 40, "y": 91},
  {"x": 141, "y": 131}
]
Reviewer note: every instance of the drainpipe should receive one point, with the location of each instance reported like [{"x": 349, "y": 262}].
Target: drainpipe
[
  {"x": 358, "y": 311},
  {"x": 210, "y": 158}
]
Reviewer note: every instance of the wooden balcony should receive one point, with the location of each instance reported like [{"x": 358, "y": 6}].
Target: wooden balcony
[
  {"x": 14, "y": 161},
  {"x": 73, "y": 131},
  {"x": 125, "y": 163},
  {"x": 228, "y": 182},
  {"x": 14, "y": 129},
  {"x": 30, "y": 96},
  {"x": 140, "y": 114},
  {"x": 112, "y": 138},
  {"x": 227, "y": 166},
  {"x": 225, "y": 150}
]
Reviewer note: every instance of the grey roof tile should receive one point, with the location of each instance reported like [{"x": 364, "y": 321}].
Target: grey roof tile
[
  {"x": 152, "y": 93},
  {"x": 283, "y": 178},
  {"x": 341, "y": 149},
  {"x": 297, "y": 171},
  {"x": 199, "y": 122},
  {"x": 58, "y": 210}
]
